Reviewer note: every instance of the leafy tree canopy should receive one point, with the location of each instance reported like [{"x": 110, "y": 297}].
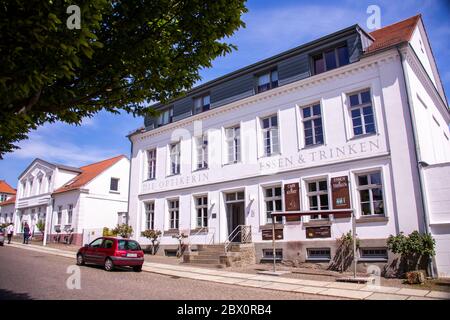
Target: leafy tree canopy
[{"x": 126, "y": 54}]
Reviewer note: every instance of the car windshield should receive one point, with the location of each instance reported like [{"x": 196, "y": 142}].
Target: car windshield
[{"x": 129, "y": 245}]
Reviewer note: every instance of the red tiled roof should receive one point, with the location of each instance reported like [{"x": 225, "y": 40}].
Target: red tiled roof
[
  {"x": 6, "y": 188},
  {"x": 88, "y": 173},
  {"x": 11, "y": 200},
  {"x": 393, "y": 34}
]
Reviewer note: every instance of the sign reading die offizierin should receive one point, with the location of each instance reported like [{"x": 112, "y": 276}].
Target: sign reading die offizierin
[{"x": 340, "y": 192}]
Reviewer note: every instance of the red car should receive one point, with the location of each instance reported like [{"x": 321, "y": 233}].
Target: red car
[{"x": 111, "y": 252}]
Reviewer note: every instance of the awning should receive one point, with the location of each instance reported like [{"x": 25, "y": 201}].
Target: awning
[{"x": 341, "y": 213}]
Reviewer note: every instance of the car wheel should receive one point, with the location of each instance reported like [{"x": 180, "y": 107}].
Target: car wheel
[
  {"x": 137, "y": 268},
  {"x": 109, "y": 265},
  {"x": 80, "y": 260}
]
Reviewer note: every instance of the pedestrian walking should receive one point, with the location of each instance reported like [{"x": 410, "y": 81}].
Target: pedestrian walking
[
  {"x": 26, "y": 233},
  {"x": 10, "y": 232}
]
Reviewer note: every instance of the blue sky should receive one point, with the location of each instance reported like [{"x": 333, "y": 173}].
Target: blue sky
[{"x": 272, "y": 27}]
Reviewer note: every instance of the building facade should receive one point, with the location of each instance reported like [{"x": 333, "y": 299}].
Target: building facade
[
  {"x": 348, "y": 121},
  {"x": 68, "y": 200}
]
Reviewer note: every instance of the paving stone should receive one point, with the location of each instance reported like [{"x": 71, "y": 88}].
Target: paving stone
[
  {"x": 253, "y": 283},
  {"x": 413, "y": 292},
  {"x": 311, "y": 290},
  {"x": 281, "y": 286},
  {"x": 287, "y": 280},
  {"x": 229, "y": 280},
  {"x": 343, "y": 285},
  {"x": 386, "y": 296},
  {"x": 381, "y": 289},
  {"x": 313, "y": 283},
  {"x": 439, "y": 295},
  {"x": 352, "y": 294},
  {"x": 421, "y": 298}
]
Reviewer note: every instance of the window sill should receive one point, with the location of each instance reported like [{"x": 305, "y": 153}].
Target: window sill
[
  {"x": 317, "y": 145},
  {"x": 372, "y": 260},
  {"x": 319, "y": 223},
  {"x": 269, "y": 226},
  {"x": 365, "y": 135},
  {"x": 173, "y": 175},
  {"x": 114, "y": 191},
  {"x": 199, "y": 231},
  {"x": 171, "y": 232},
  {"x": 150, "y": 179},
  {"x": 200, "y": 169},
  {"x": 317, "y": 260},
  {"x": 231, "y": 163},
  {"x": 265, "y": 156},
  {"x": 372, "y": 219}
]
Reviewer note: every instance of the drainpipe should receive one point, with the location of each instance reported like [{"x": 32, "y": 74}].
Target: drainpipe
[
  {"x": 420, "y": 163},
  {"x": 129, "y": 189}
]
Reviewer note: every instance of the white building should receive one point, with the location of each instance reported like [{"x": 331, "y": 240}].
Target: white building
[
  {"x": 348, "y": 121},
  {"x": 72, "y": 200},
  {"x": 7, "y": 199}
]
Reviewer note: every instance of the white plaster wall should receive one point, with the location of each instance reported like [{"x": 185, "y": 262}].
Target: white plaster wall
[
  {"x": 438, "y": 192},
  {"x": 64, "y": 200}
]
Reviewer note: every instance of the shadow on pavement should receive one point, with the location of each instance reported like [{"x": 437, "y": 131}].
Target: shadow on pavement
[{"x": 11, "y": 295}]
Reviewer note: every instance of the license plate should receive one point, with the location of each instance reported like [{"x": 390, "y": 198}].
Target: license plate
[{"x": 132, "y": 255}]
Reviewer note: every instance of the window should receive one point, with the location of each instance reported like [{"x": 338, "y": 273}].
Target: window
[
  {"x": 274, "y": 202},
  {"x": 165, "y": 117},
  {"x": 267, "y": 81},
  {"x": 3, "y": 197},
  {"x": 151, "y": 164},
  {"x": 173, "y": 214},
  {"x": 201, "y": 104},
  {"x": 129, "y": 245},
  {"x": 233, "y": 140},
  {"x": 122, "y": 218},
  {"x": 330, "y": 59},
  {"x": 270, "y": 135},
  {"x": 114, "y": 184},
  {"x": 24, "y": 189},
  {"x": 59, "y": 215},
  {"x": 150, "y": 216},
  {"x": 49, "y": 181},
  {"x": 235, "y": 196},
  {"x": 268, "y": 254},
  {"x": 69, "y": 214},
  {"x": 362, "y": 113},
  {"x": 318, "y": 197},
  {"x": 312, "y": 124},
  {"x": 175, "y": 158},
  {"x": 108, "y": 243},
  {"x": 39, "y": 186},
  {"x": 370, "y": 188},
  {"x": 201, "y": 144},
  {"x": 318, "y": 254},
  {"x": 30, "y": 191},
  {"x": 97, "y": 243},
  {"x": 201, "y": 208},
  {"x": 374, "y": 253}
]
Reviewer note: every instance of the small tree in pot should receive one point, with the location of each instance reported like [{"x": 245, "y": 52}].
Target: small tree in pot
[
  {"x": 123, "y": 230},
  {"x": 153, "y": 235}
]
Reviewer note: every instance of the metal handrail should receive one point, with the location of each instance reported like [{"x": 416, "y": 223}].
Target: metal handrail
[
  {"x": 197, "y": 233},
  {"x": 245, "y": 236}
]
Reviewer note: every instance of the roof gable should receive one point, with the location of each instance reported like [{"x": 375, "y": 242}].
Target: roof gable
[
  {"x": 6, "y": 188},
  {"x": 88, "y": 173}
]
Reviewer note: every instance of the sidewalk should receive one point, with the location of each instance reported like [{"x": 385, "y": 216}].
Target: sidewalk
[{"x": 321, "y": 288}]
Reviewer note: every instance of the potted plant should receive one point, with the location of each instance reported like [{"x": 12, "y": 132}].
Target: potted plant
[{"x": 153, "y": 235}]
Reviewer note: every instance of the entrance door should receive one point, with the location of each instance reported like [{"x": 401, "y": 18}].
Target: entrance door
[{"x": 236, "y": 217}]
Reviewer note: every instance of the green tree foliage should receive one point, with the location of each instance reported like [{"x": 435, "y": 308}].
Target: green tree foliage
[
  {"x": 126, "y": 55},
  {"x": 412, "y": 248},
  {"x": 153, "y": 235}
]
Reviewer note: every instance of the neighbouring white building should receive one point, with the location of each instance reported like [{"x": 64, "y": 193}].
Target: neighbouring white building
[
  {"x": 351, "y": 122},
  {"x": 71, "y": 200},
  {"x": 7, "y": 199}
]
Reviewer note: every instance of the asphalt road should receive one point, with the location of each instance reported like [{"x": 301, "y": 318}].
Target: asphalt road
[{"x": 33, "y": 275}]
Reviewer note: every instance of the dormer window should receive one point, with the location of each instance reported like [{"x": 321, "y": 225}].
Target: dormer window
[
  {"x": 330, "y": 59},
  {"x": 165, "y": 117},
  {"x": 202, "y": 104},
  {"x": 267, "y": 81}
]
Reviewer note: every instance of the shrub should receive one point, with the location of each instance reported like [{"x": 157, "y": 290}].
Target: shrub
[
  {"x": 414, "y": 249},
  {"x": 153, "y": 235},
  {"x": 123, "y": 230},
  {"x": 107, "y": 232},
  {"x": 40, "y": 225}
]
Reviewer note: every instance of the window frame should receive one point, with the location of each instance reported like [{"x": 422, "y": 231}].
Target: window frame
[
  {"x": 336, "y": 57},
  {"x": 110, "y": 185},
  {"x": 201, "y": 152},
  {"x": 236, "y": 144},
  {"x": 317, "y": 194},
  {"x": 311, "y": 119},
  {"x": 360, "y": 106},
  {"x": 69, "y": 214},
  {"x": 59, "y": 215},
  {"x": 375, "y": 257},
  {"x": 177, "y": 156},
  {"x": 318, "y": 257},
  {"x": 203, "y": 207},
  {"x": 270, "y": 129},
  {"x": 151, "y": 155},
  {"x": 201, "y": 98},
  {"x": 149, "y": 208},
  {"x": 174, "y": 214},
  {"x": 160, "y": 117},
  {"x": 370, "y": 187},
  {"x": 271, "y": 84},
  {"x": 273, "y": 199}
]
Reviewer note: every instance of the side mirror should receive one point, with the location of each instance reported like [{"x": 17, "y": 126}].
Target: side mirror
[{"x": 86, "y": 246}]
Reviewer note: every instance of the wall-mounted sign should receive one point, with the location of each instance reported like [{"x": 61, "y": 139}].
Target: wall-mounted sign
[
  {"x": 340, "y": 192},
  {"x": 292, "y": 199},
  {"x": 267, "y": 234},
  {"x": 318, "y": 232}
]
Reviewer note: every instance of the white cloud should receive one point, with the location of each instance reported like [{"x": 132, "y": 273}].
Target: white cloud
[{"x": 61, "y": 152}]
